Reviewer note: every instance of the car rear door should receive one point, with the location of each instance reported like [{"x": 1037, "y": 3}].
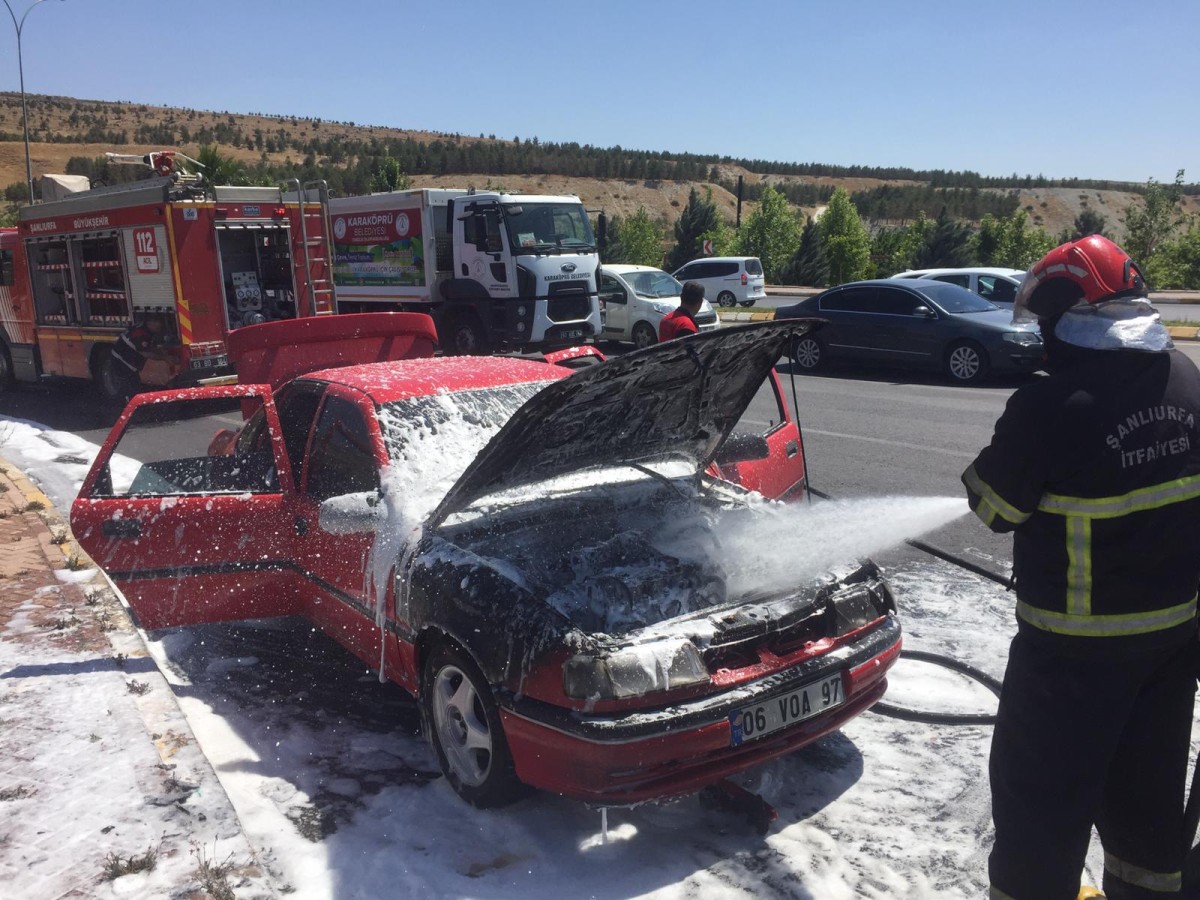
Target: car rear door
[
  {"x": 780, "y": 475},
  {"x": 190, "y": 526},
  {"x": 614, "y": 307}
]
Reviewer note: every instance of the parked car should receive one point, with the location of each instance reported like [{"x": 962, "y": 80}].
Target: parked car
[
  {"x": 921, "y": 323},
  {"x": 998, "y": 285},
  {"x": 728, "y": 280},
  {"x": 527, "y": 550},
  {"x": 635, "y": 299}
]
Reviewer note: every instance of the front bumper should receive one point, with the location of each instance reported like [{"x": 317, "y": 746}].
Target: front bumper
[
  {"x": 631, "y": 757},
  {"x": 1018, "y": 357}
]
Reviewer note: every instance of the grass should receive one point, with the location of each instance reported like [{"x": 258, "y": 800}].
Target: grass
[
  {"x": 137, "y": 687},
  {"x": 212, "y": 874},
  {"x": 116, "y": 865},
  {"x": 33, "y": 506}
]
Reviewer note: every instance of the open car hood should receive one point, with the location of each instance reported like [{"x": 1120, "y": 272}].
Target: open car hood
[{"x": 673, "y": 401}]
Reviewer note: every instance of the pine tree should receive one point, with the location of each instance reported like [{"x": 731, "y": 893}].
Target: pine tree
[
  {"x": 808, "y": 265},
  {"x": 698, "y": 218}
]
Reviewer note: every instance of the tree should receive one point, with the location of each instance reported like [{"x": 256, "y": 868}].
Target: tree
[
  {"x": 845, "y": 240},
  {"x": 1175, "y": 264},
  {"x": 1087, "y": 223},
  {"x": 1153, "y": 222},
  {"x": 640, "y": 239},
  {"x": 388, "y": 176},
  {"x": 1021, "y": 245},
  {"x": 895, "y": 249},
  {"x": 772, "y": 233},
  {"x": 945, "y": 245},
  {"x": 986, "y": 243},
  {"x": 808, "y": 265},
  {"x": 219, "y": 168},
  {"x": 698, "y": 218}
]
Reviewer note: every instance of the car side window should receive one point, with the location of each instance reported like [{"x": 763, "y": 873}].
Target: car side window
[
  {"x": 611, "y": 290},
  {"x": 959, "y": 279},
  {"x": 168, "y": 449},
  {"x": 997, "y": 289},
  {"x": 685, "y": 273},
  {"x": 342, "y": 460},
  {"x": 297, "y": 405},
  {"x": 897, "y": 303},
  {"x": 724, "y": 270},
  {"x": 850, "y": 300}
]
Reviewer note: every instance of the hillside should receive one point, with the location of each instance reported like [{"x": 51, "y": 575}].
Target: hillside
[{"x": 64, "y": 127}]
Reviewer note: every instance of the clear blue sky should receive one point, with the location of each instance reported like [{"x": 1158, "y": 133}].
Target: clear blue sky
[{"x": 1098, "y": 89}]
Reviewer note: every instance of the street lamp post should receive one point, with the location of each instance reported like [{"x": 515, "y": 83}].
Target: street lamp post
[{"x": 21, "y": 71}]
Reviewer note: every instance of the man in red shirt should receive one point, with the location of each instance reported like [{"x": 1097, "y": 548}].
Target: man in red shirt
[{"x": 682, "y": 322}]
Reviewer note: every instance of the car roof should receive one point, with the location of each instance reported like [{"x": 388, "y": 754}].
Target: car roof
[
  {"x": 623, "y": 268},
  {"x": 717, "y": 259},
  {"x": 386, "y": 382},
  {"x": 966, "y": 270}
]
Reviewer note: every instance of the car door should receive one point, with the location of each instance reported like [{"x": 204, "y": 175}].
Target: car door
[
  {"x": 188, "y": 525},
  {"x": 614, "y": 307},
  {"x": 780, "y": 474},
  {"x": 344, "y": 456},
  {"x": 907, "y": 326},
  {"x": 853, "y": 329}
]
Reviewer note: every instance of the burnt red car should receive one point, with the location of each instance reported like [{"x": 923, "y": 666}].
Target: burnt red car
[{"x": 531, "y": 552}]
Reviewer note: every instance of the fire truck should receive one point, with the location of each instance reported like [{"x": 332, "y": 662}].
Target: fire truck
[{"x": 78, "y": 271}]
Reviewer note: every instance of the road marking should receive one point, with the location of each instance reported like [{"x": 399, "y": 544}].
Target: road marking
[{"x": 874, "y": 440}]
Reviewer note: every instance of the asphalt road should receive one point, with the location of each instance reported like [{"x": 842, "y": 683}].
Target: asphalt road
[{"x": 1181, "y": 306}]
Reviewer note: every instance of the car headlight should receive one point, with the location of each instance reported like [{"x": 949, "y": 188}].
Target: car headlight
[
  {"x": 663, "y": 309},
  {"x": 634, "y": 671},
  {"x": 1022, "y": 337}
]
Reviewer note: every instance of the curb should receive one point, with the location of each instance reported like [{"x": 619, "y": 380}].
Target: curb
[{"x": 166, "y": 727}]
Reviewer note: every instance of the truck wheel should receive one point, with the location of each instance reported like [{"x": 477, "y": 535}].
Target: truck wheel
[
  {"x": 466, "y": 337},
  {"x": 6, "y": 368},
  {"x": 464, "y": 725},
  {"x": 644, "y": 336},
  {"x": 114, "y": 387}
]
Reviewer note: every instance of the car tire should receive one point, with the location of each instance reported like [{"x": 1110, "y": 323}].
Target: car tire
[
  {"x": 463, "y": 723},
  {"x": 644, "y": 335},
  {"x": 465, "y": 337},
  {"x": 745, "y": 303},
  {"x": 808, "y": 353},
  {"x": 726, "y": 299},
  {"x": 966, "y": 363}
]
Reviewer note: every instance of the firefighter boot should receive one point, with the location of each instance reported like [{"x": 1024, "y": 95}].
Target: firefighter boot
[{"x": 1090, "y": 893}]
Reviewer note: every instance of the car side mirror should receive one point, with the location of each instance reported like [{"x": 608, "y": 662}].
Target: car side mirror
[
  {"x": 924, "y": 312},
  {"x": 358, "y": 513},
  {"x": 742, "y": 447}
]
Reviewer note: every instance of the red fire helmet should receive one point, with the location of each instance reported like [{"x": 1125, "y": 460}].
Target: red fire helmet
[{"x": 1096, "y": 269}]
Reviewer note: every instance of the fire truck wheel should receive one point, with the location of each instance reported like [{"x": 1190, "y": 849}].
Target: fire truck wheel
[
  {"x": 113, "y": 387},
  {"x": 6, "y": 367},
  {"x": 466, "y": 337}
]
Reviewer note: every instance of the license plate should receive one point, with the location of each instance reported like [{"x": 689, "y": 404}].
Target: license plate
[
  {"x": 752, "y": 722},
  {"x": 574, "y": 333}
]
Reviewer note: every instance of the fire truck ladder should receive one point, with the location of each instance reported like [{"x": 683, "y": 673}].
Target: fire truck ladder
[{"x": 316, "y": 249}]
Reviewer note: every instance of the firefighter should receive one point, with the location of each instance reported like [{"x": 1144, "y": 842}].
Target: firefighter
[
  {"x": 140, "y": 343},
  {"x": 682, "y": 321},
  {"x": 1096, "y": 471}
]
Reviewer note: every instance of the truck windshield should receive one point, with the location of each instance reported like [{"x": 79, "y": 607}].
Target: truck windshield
[{"x": 548, "y": 226}]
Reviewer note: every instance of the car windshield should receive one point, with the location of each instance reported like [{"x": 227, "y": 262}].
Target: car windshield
[
  {"x": 548, "y": 225},
  {"x": 954, "y": 299},
  {"x": 653, "y": 283}
]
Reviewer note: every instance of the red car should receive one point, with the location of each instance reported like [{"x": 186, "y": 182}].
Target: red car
[{"x": 527, "y": 550}]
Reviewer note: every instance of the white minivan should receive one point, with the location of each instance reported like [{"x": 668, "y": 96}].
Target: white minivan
[
  {"x": 635, "y": 299},
  {"x": 727, "y": 280}
]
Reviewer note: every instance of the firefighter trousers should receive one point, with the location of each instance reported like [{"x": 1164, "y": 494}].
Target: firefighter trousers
[{"x": 1096, "y": 739}]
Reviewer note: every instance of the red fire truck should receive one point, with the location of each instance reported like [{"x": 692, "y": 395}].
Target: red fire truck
[{"x": 78, "y": 271}]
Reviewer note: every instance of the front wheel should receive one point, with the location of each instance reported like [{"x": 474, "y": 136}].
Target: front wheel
[
  {"x": 644, "y": 335},
  {"x": 726, "y": 299},
  {"x": 466, "y": 337},
  {"x": 966, "y": 363},
  {"x": 809, "y": 354},
  {"x": 464, "y": 724},
  {"x": 116, "y": 386}
]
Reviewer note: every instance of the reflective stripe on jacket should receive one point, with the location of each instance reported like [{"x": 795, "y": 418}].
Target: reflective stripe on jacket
[{"x": 1096, "y": 470}]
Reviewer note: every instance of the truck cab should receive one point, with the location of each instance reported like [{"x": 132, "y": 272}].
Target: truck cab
[{"x": 524, "y": 272}]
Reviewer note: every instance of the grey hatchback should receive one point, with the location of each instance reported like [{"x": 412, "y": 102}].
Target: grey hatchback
[{"x": 919, "y": 323}]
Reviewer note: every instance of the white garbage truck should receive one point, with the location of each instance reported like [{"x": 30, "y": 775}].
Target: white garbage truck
[{"x": 498, "y": 271}]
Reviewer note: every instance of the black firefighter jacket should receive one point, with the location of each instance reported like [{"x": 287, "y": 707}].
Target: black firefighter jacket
[{"x": 1097, "y": 471}]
